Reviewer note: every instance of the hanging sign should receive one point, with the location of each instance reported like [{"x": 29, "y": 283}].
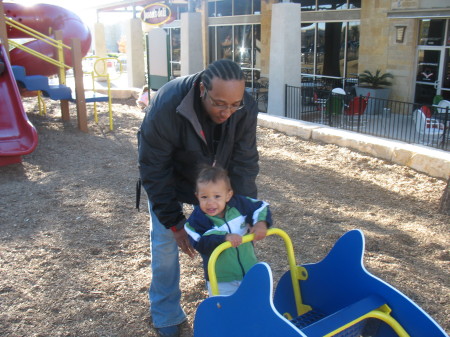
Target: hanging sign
[{"x": 156, "y": 14}]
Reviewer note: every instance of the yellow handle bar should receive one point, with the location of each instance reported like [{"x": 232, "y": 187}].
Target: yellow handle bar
[{"x": 297, "y": 272}]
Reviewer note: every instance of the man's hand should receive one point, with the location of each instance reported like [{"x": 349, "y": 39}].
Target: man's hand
[
  {"x": 183, "y": 242},
  {"x": 259, "y": 229}
]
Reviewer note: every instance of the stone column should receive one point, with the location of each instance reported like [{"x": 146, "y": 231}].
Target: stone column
[
  {"x": 191, "y": 43},
  {"x": 158, "y": 58},
  {"x": 99, "y": 40},
  {"x": 135, "y": 54},
  {"x": 284, "y": 54}
]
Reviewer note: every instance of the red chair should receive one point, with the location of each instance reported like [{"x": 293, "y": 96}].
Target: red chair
[
  {"x": 356, "y": 107},
  {"x": 355, "y": 110},
  {"x": 426, "y": 111}
]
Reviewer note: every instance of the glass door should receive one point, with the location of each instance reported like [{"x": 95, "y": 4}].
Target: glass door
[
  {"x": 427, "y": 80},
  {"x": 433, "y": 61}
]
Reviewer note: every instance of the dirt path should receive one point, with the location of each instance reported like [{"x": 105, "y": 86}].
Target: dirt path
[{"x": 74, "y": 251}]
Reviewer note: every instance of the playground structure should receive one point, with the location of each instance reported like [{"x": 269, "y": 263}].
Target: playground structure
[
  {"x": 334, "y": 297},
  {"x": 29, "y": 64},
  {"x": 18, "y": 136}
]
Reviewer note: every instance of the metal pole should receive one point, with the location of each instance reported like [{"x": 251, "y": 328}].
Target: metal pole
[{"x": 3, "y": 33}]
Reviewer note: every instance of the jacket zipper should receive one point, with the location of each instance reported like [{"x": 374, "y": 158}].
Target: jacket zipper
[
  {"x": 201, "y": 135},
  {"x": 237, "y": 250}
]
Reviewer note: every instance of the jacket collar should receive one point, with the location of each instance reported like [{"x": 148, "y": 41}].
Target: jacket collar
[{"x": 186, "y": 109}]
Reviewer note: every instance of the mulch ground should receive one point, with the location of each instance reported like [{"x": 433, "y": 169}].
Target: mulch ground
[{"x": 74, "y": 252}]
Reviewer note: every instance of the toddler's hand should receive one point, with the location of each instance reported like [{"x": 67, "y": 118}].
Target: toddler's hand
[
  {"x": 259, "y": 229},
  {"x": 235, "y": 239}
]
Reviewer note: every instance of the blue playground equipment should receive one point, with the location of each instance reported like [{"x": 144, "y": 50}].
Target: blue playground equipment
[
  {"x": 40, "y": 82},
  {"x": 334, "y": 297},
  {"x": 56, "y": 91}
]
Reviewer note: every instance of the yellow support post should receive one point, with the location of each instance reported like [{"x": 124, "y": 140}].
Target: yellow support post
[
  {"x": 41, "y": 104},
  {"x": 111, "y": 122}
]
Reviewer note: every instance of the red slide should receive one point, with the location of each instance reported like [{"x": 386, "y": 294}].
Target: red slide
[
  {"x": 45, "y": 19},
  {"x": 17, "y": 135}
]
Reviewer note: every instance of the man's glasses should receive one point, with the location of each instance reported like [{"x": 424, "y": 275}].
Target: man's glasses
[{"x": 224, "y": 107}]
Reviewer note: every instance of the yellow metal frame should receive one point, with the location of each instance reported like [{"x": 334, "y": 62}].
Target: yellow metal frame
[
  {"x": 97, "y": 73},
  {"x": 300, "y": 273},
  {"x": 101, "y": 71},
  {"x": 383, "y": 314},
  {"x": 42, "y": 37},
  {"x": 297, "y": 272},
  {"x": 41, "y": 104}
]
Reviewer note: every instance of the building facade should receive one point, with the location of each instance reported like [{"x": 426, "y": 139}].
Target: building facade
[{"x": 339, "y": 39}]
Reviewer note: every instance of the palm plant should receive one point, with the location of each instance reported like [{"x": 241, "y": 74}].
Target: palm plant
[{"x": 375, "y": 80}]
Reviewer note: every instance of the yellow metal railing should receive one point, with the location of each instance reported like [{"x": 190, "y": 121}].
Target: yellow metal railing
[
  {"x": 41, "y": 104},
  {"x": 100, "y": 71},
  {"x": 297, "y": 272},
  {"x": 59, "y": 45},
  {"x": 383, "y": 314}
]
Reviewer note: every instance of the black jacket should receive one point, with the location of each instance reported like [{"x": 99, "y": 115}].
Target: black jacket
[{"x": 172, "y": 145}]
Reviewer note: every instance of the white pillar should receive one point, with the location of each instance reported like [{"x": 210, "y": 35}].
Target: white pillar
[
  {"x": 191, "y": 43},
  {"x": 135, "y": 53},
  {"x": 285, "y": 67},
  {"x": 99, "y": 40},
  {"x": 158, "y": 58}
]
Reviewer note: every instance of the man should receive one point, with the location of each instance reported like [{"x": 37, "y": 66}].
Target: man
[{"x": 204, "y": 118}]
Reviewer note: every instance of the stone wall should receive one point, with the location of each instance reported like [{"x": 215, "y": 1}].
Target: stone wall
[
  {"x": 434, "y": 162},
  {"x": 379, "y": 49}
]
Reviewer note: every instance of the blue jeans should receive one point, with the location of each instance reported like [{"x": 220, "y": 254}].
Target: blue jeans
[
  {"x": 225, "y": 288},
  {"x": 164, "y": 293}
]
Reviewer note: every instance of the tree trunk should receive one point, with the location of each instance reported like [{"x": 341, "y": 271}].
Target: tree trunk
[{"x": 444, "y": 206}]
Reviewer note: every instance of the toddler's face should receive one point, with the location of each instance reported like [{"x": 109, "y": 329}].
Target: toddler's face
[{"x": 213, "y": 197}]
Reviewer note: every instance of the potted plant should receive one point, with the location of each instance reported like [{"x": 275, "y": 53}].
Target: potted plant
[{"x": 374, "y": 85}]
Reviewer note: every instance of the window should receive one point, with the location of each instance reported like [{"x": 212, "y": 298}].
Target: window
[
  {"x": 330, "y": 48},
  {"x": 431, "y": 32},
  {"x": 240, "y": 43},
  {"x": 314, "y": 5},
  {"x": 233, "y": 7},
  {"x": 224, "y": 8},
  {"x": 331, "y": 4},
  {"x": 352, "y": 49},
  {"x": 174, "y": 52},
  {"x": 308, "y": 35},
  {"x": 224, "y": 43},
  {"x": 242, "y": 7},
  {"x": 243, "y": 45}
]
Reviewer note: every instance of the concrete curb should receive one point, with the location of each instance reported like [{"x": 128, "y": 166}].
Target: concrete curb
[
  {"x": 120, "y": 93},
  {"x": 434, "y": 162}
]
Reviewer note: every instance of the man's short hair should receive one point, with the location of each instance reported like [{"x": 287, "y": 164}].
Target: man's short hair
[{"x": 223, "y": 69}]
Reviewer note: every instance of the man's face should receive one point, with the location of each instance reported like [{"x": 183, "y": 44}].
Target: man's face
[{"x": 224, "y": 98}]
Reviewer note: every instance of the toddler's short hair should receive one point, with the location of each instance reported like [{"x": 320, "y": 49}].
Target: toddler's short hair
[{"x": 213, "y": 174}]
